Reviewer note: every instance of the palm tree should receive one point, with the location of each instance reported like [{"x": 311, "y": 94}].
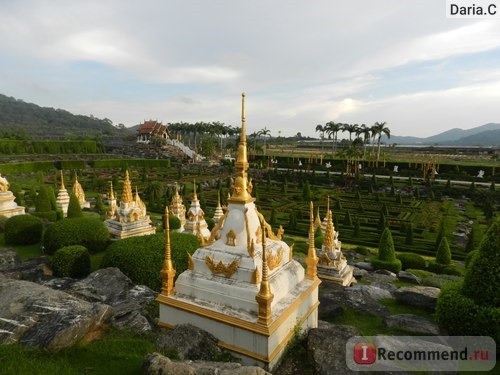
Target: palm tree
[
  {"x": 381, "y": 128},
  {"x": 332, "y": 129},
  {"x": 365, "y": 131},
  {"x": 321, "y": 129},
  {"x": 350, "y": 128},
  {"x": 265, "y": 132}
]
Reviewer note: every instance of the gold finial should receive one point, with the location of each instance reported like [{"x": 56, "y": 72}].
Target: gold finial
[
  {"x": 329, "y": 232},
  {"x": 111, "y": 191},
  {"x": 168, "y": 272},
  {"x": 62, "y": 181},
  {"x": 312, "y": 259},
  {"x": 127, "y": 189},
  {"x": 195, "y": 197},
  {"x": 218, "y": 199},
  {"x": 264, "y": 297},
  {"x": 241, "y": 188}
]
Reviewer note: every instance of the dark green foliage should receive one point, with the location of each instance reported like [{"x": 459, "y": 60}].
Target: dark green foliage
[
  {"x": 492, "y": 186},
  {"x": 90, "y": 233},
  {"x": 3, "y": 220},
  {"x": 16, "y": 190},
  {"x": 469, "y": 246},
  {"x": 23, "y": 230},
  {"x": 470, "y": 257},
  {"x": 411, "y": 260},
  {"x": 362, "y": 250},
  {"x": 42, "y": 202},
  {"x": 393, "y": 266},
  {"x": 443, "y": 254},
  {"x": 307, "y": 194},
  {"x": 483, "y": 276},
  {"x": 138, "y": 163},
  {"x": 74, "y": 209},
  {"x": 409, "y": 234},
  {"x": 318, "y": 238},
  {"x": 385, "y": 210},
  {"x": 386, "y": 255},
  {"x": 174, "y": 222},
  {"x": 292, "y": 221},
  {"x": 347, "y": 219},
  {"x": 141, "y": 258},
  {"x": 210, "y": 223},
  {"x": 382, "y": 221},
  {"x": 357, "y": 228},
  {"x": 488, "y": 208},
  {"x": 99, "y": 204},
  {"x": 272, "y": 219},
  {"x": 71, "y": 261},
  {"x": 26, "y": 167},
  {"x": 440, "y": 235}
]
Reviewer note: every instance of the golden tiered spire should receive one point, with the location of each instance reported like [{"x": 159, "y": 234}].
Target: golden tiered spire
[
  {"x": 317, "y": 221},
  {"x": 111, "y": 191},
  {"x": 127, "y": 190},
  {"x": 312, "y": 259},
  {"x": 329, "y": 231},
  {"x": 195, "y": 197},
  {"x": 62, "y": 187},
  {"x": 264, "y": 297},
  {"x": 168, "y": 272},
  {"x": 241, "y": 185}
]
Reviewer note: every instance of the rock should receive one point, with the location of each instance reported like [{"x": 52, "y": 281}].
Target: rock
[
  {"x": 419, "y": 296},
  {"x": 156, "y": 364},
  {"x": 372, "y": 291},
  {"x": 358, "y": 273},
  {"x": 412, "y": 323},
  {"x": 386, "y": 272},
  {"x": 34, "y": 269},
  {"x": 390, "y": 287},
  {"x": 367, "y": 266},
  {"x": 327, "y": 348},
  {"x": 409, "y": 278},
  {"x": 190, "y": 342},
  {"x": 37, "y": 316},
  {"x": 8, "y": 259},
  {"x": 373, "y": 277}
]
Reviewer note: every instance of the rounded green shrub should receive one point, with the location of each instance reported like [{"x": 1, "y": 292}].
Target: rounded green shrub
[
  {"x": 23, "y": 230},
  {"x": 141, "y": 258},
  {"x": 411, "y": 260},
  {"x": 174, "y": 222},
  {"x": 470, "y": 257},
  {"x": 88, "y": 232},
  {"x": 3, "y": 220},
  {"x": 71, "y": 261},
  {"x": 393, "y": 266}
]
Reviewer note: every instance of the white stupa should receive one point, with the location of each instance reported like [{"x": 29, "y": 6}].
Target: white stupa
[
  {"x": 243, "y": 286},
  {"x": 8, "y": 206},
  {"x": 219, "y": 212},
  {"x": 177, "y": 208},
  {"x": 62, "y": 200},
  {"x": 195, "y": 222},
  {"x": 129, "y": 218},
  {"x": 332, "y": 263}
]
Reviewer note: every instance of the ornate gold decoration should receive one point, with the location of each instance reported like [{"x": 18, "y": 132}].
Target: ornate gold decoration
[
  {"x": 231, "y": 238},
  {"x": 290, "y": 254},
  {"x": 190, "y": 262},
  {"x": 328, "y": 242},
  {"x": 312, "y": 259},
  {"x": 216, "y": 228},
  {"x": 264, "y": 298},
  {"x": 201, "y": 240},
  {"x": 256, "y": 276},
  {"x": 168, "y": 272},
  {"x": 220, "y": 267},
  {"x": 251, "y": 249},
  {"x": 274, "y": 260},
  {"x": 325, "y": 260},
  {"x": 270, "y": 233},
  {"x": 127, "y": 189},
  {"x": 258, "y": 234},
  {"x": 280, "y": 232}
]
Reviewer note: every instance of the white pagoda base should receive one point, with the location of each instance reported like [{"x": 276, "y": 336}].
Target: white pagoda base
[
  {"x": 121, "y": 230},
  {"x": 8, "y": 207},
  {"x": 340, "y": 275}
]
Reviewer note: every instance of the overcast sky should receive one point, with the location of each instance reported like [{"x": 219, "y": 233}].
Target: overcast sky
[{"x": 301, "y": 63}]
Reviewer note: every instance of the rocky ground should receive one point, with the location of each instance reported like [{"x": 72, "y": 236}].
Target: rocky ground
[{"x": 39, "y": 310}]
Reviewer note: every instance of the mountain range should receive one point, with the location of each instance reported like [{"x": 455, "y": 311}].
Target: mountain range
[{"x": 484, "y": 135}]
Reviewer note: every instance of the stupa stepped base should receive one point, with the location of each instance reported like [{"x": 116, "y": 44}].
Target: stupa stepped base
[
  {"x": 8, "y": 207},
  {"x": 124, "y": 230},
  {"x": 238, "y": 331},
  {"x": 343, "y": 276}
]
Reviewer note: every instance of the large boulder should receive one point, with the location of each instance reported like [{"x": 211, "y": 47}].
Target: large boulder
[
  {"x": 327, "y": 348},
  {"x": 34, "y": 269},
  {"x": 157, "y": 364},
  {"x": 37, "y": 316},
  {"x": 110, "y": 286},
  {"x": 424, "y": 297},
  {"x": 413, "y": 323}
]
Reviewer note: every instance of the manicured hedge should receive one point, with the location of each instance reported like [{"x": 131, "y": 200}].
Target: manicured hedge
[
  {"x": 411, "y": 260},
  {"x": 71, "y": 261},
  {"x": 90, "y": 233},
  {"x": 126, "y": 163},
  {"x": 23, "y": 230},
  {"x": 141, "y": 258},
  {"x": 26, "y": 167}
]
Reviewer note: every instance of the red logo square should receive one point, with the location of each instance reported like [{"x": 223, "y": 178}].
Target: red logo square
[{"x": 365, "y": 353}]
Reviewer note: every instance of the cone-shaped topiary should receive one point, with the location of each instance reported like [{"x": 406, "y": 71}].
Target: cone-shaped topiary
[
  {"x": 483, "y": 276},
  {"x": 386, "y": 246},
  {"x": 443, "y": 253},
  {"x": 74, "y": 208}
]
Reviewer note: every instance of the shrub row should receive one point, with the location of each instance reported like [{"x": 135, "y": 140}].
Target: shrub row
[
  {"x": 23, "y": 230},
  {"x": 71, "y": 261},
  {"x": 126, "y": 163}
]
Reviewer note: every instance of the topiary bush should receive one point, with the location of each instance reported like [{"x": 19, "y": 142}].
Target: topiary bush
[
  {"x": 74, "y": 208},
  {"x": 71, "y": 261},
  {"x": 23, "y": 230},
  {"x": 386, "y": 255},
  {"x": 88, "y": 232},
  {"x": 3, "y": 220},
  {"x": 393, "y": 266},
  {"x": 443, "y": 253},
  {"x": 141, "y": 258},
  {"x": 318, "y": 238},
  {"x": 470, "y": 256},
  {"x": 411, "y": 260}
]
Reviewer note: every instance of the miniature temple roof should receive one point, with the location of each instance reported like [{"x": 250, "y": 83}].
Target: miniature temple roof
[{"x": 127, "y": 190}]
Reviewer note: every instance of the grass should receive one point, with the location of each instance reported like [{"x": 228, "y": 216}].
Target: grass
[
  {"x": 24, "y": 252},
  {"x": 119, "y": 352}
]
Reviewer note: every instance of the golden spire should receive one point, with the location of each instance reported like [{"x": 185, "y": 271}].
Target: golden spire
[
  {"x": 127, "y": 190},
  {"x": 218, "y": 199},
  {"x": 137, "y": 198},
  {"x": 329, "y": 232},
  {"x": 264, "y": 297},
  {"x": 241, "y": 186},
  {"x": 317, "y": 221},
  {"x": 62, "y": 181},
  {"x": 312, "y": 259},
  {"x": 111, "y": 191},
  {"x": 195, "y": 197},
  {"x": 168, "y": 272}
]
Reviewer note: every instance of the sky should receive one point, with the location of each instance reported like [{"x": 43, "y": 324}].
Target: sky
[{"x": 300, "y": 63}]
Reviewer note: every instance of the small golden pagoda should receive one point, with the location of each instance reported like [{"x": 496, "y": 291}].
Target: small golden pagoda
[
  {"x": 129, "y": 218},
  {"x": 77, "y": 189},
  {"x": 195, "y": 222},
  {"x": 243, "y": 285},
  {"x": 177, "y": 208},
  {"x": 219, "y": 212}
]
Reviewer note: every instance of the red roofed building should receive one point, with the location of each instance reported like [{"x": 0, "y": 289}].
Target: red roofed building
[{"x": 150, "y": 129}]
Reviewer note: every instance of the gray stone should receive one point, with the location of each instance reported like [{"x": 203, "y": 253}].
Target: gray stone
[
  {"x": 157, "y": 364},
  {"x": 372, "y": 291},
  {"x": 189, "y": 342},
  {"x": 8, "y": 259},
  {"x": 37, "y": 316},
  {"x": 386, "y": 272},
  {"x": 409, "y": 278},
  {"x": 367, "y": 266},
  {"x": 327, "y": 348},
  {"x": 413, "y": 323},
  {"x": 358, "y": 273},
  {"x": 34, "y": 269},
  {"x": 419, "y": 296}
]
